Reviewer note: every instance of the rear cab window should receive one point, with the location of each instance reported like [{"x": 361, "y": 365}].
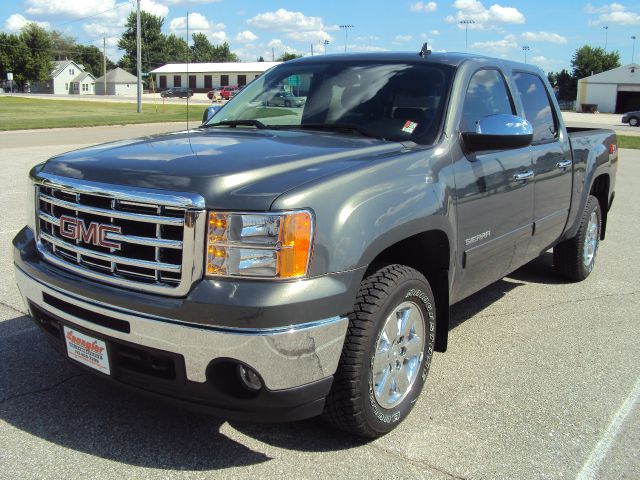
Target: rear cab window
[{"x": 537, "y": 107}]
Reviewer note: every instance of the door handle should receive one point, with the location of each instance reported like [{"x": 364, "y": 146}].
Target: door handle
[
  {"x": 523, "y": 176},
  {"x": 563, "y": 164}
]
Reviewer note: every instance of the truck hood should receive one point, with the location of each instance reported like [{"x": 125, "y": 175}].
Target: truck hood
[{"x": 230, "y": 168}]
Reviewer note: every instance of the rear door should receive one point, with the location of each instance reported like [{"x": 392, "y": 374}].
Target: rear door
[
  {"x": 495, "y": 209},
  {"x": 551, "y": 163}
]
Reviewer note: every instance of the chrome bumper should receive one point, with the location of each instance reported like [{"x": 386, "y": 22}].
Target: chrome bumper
[{"x": 284, "y": 357}]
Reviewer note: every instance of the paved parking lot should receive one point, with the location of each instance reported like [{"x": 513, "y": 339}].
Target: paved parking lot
[{"x": 541, "y": 380}]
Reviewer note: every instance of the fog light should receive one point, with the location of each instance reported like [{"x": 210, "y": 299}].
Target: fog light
[{"x": 249, "y": 378}]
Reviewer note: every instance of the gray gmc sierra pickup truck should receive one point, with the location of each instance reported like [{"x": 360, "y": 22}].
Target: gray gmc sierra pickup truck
[{"x": 278, "y": 263}]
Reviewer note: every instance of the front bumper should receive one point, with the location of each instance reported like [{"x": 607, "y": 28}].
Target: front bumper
[{"x": 296, "y": 363}]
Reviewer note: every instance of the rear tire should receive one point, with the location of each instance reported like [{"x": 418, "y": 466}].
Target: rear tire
[
  {"x": 575, "y": 258},
  {"x": 387, "y": 353},
  {"x": 634, "y": 121}
]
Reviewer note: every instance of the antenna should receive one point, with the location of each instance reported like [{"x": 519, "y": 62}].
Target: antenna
[
  {"x": 188, "y": 86},
  {"x": 425, "y": 50}
]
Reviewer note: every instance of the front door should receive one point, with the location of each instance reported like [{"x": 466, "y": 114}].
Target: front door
[
  {"x": 192, "y": 81},
  {"x": 494, "y": 207},
  {"x": 551, "y": 162}
]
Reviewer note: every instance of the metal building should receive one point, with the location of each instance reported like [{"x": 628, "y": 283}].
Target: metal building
[{"x": 613, "y": 91}]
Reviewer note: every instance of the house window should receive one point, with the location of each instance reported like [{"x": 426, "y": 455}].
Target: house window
[
  {"x": 177, "y": 81},
  {"x": 163, "y": 81},
  {"x": 242, "y": 80},
  {"x": 72, "y": 71},
  {"x": 66, "y": 86}
]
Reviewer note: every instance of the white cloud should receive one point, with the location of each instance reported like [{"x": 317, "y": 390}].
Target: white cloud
[
  {"x": 615, "y": 13},
  {"x": 313, "y": 36},
  {"x": 543, "y": 37},
  {"x": 496, "y": 46},
  {"x": 68, "y": 8},
  {"x": 403, "y": 38},
  {"x": 16, "y": 21},
  {"x": 423, "y": 7},
  {"x": 153, "y": 8},
  {"x": 286, "y": 21},
  {"x": 366, "y": 48},
  {"x": 197, "y": 23},
  {"x": 218, "y": 37},
  {"x": 246, "y": 37},
  {"x": 484, "y": 17},
  {"x": 190, "y": 2}
]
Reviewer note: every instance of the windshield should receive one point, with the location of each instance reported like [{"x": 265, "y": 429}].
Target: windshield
[{"x": 392, "y": 101}]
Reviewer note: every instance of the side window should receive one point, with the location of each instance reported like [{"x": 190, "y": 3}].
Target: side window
[
  {"x": 537, "y": 108},
  {"x": 486, "y": 95}
]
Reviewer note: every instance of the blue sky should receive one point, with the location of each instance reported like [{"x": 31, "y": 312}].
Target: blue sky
[{"x": 552, "y": 29}]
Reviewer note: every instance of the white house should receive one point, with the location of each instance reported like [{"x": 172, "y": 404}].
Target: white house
[
  {"x": 67, "y": 77},
  {"x": 205, "y": 76},
  {"x": 118, "y": 82},
  {"x": 614, "y": 91}
]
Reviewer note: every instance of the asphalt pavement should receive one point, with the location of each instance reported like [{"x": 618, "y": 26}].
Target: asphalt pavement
[{"x": 541, "y": 380}]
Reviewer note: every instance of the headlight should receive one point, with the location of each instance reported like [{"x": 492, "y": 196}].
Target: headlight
[{"x": 269, "y": 245}]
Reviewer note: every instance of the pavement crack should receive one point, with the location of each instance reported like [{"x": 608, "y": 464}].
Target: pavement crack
[
  {"x": 416, "y": 463},
  {"x": 555, "y": 304},
  {"x": 41, "y": 390},
  {"x": 14, "y": 309}
]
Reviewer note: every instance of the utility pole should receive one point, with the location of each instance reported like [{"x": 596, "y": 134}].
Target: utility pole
[
  {"x": 525, "y": 49},
  {"x": 633, "y": 49},
  {"x": 325, "y": 43},
  {"x": 606, "y": 34},
  {"x": 312, "y": 49},
  {"x": 466, "y": 24},
  {"x": 139, "y": 56},
  {"x": 346, "y": 36},
  {"x": 273, "y": 54},
  {"x": 104, "y": 63}
]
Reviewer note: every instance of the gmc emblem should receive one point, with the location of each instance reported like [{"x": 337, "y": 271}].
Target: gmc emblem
[{"x": 95, "y": 234}]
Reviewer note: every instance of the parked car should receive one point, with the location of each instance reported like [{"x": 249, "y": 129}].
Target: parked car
[
  {"x": 209, "y": 112},
  {"x": 236, "y": 91},
  {"x": 180, "y": 92},
  {"x": 285, "y": 99},
  {"x": 632, "y": 118},
  {"x": 214, "y": 94},
  {"x": 225, "y": 92},
  {"x": 265, "y": 267}
]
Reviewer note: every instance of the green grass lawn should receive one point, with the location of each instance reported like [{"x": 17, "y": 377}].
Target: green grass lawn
[
  {"x": 25, "y": 113},
  {"x": 628, "y": 141}
]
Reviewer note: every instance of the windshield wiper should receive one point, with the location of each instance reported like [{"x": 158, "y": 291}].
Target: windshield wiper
[
  {"x": 340, "y": 126},
  {"x": 239, "y": 123}
]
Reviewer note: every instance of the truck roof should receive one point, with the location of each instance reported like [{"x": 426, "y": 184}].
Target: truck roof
[{"x": 454, "y": 59}]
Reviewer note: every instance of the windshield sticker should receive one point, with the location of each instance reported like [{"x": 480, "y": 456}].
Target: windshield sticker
[{"x": 409, "y": 126}]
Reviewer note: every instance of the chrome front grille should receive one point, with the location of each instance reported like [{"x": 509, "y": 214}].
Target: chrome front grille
[{"x": 155, "y": 238}]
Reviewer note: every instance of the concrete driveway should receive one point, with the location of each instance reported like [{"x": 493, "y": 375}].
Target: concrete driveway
[{"x": 541, "y": 380}]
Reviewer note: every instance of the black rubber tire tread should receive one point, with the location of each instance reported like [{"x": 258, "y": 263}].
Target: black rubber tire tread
[
  {"x": 567, "y": 255},
  {"x": 637, "y": 122},
  {"x": 342, "y": 404}
]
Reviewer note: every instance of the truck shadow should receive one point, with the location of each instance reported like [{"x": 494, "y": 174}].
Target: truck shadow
[{"x": 43, "y": 394}]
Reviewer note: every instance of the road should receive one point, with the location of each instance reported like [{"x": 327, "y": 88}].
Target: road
[{"x": 541, "y": 380}]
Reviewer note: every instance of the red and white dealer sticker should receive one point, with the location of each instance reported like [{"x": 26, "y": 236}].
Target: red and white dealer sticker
[{"x": 87, "y": 350}]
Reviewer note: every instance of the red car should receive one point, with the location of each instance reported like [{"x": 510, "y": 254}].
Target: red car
[
  {"x": 226, "y": 91},
  {"x": 214, "y": 94}
]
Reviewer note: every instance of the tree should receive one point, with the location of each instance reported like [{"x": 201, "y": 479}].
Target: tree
[
  {"x": 222, "y": 53},
  {"x": 286, "y": 56},
  {"x": 91, "y": 58},
  {"x": 38, "y": 63},
  {"x": 588, "y": 60},
  {"x": 153, "y": 43},
  {"x": 14, "y": 55},
  {"x": 567, "y": 85},
  {"x": 201, "y": 51},
  {"x": 62, "y": 45},
  {"x": 175, "y": 49},
  {"x": 261, "y": 58}
]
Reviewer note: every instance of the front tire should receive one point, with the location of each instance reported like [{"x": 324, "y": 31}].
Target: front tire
[
  {"x": 386, "y": 355},
  {"x": 575, "y": 258}
]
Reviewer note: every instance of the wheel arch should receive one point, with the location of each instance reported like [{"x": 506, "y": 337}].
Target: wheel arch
[
  {"x": 600, "y": 190},
  {"x": 429, "y": 253}
]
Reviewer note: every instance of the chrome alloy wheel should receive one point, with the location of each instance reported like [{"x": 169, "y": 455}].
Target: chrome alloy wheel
[
  {"x": 591, "y": 240},
  {"x": 398, "y": 356}
]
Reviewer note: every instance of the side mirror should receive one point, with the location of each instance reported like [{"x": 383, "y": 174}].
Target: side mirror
[
  {"x": 499, "y": 132},
  {"x": 209, "y": 112}
]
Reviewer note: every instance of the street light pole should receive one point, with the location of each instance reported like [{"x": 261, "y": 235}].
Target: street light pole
[
  {"x": 633, "y": 49},
  {"x": 139, "y": 56},
  {"x": 606, "y": 35},
  {"x": 324, "y": 43},
  {"x": 466, "y": 24},
  {"x": 525, "y": 49},
  {"x": 346, "y": 29}
]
